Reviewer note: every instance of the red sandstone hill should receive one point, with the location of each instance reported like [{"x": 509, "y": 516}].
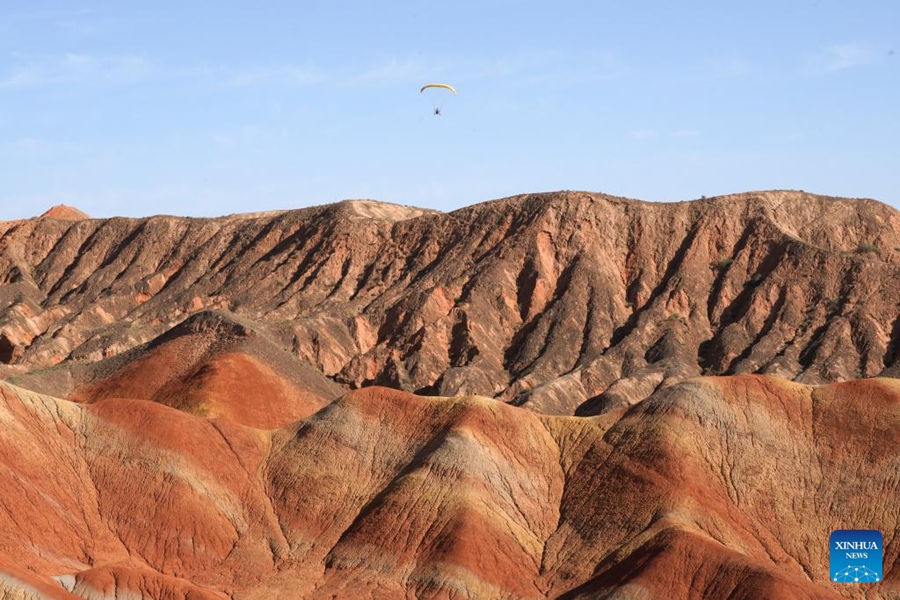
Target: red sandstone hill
[
  {"x": 61, "y": 212},
  {"x": 561, "y": 302},
  {"x": 213, "y": 364},
  {"x": 713, "y": 488},
  {"x": 176, "y": 419}
]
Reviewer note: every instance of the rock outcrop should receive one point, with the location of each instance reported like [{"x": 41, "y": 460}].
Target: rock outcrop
[
  {"x": 613, "y": 399},
  {"x": 62, "y": 212},
  {"x": 561, "y": 302},
  {"x": 212, "y": 364},
  {"x": 712, "y": 488}
]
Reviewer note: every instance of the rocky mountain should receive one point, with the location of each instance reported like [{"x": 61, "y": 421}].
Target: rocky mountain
[
  {"x": 565, "y": 302},
  {"x": 212, "y": 364},
  {"x": 562, "y": 395},
  {"x": 63, "y": 212},
  {"x": 713, "y": 488}
]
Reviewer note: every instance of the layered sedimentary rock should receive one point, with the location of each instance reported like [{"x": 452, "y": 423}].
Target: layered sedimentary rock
[
  {"x": 716, "y": 487},
  {"x": 562, "y": 302},
  {"x": 614, "y": 399},
  {"x": 212, "y": 364}
]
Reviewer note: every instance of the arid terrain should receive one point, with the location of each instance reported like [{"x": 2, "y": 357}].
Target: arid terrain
[{"x": 550, "y": 395}]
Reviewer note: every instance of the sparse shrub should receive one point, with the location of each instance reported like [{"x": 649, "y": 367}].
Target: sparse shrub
[
  {"x": 755, "y": 280},
  {"x": 404, "y": 381},
  {"x": 867, "y": 247},
  {"x": 833, "y": 304},
  {"x": 677, "y": 318},
  {"x": 721, "y": 265}
]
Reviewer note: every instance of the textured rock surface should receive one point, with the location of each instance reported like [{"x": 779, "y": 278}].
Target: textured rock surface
[
  {"x": 212, "y": 364},
  {"x": 713, "y": 488},
  {"x": 180, "y": 418},
  {"x": 563, "y": 302},
  {"x": 62, "y": 212}
]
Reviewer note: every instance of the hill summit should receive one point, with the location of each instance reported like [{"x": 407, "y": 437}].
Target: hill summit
[{"x": 62, "y": 212}]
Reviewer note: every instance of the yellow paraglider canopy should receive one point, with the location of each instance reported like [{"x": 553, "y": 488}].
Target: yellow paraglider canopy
[{"x": 438, "y": 85}]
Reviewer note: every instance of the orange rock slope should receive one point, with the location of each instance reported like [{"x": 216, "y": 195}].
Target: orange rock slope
[
  {"x": 615, "y": 399},
  {"x": 63, "y": 212},
  {"x": 713, "y": 488}
]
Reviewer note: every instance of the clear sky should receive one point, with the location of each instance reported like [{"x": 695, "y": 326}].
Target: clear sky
[{"x": 208, "y": 108}]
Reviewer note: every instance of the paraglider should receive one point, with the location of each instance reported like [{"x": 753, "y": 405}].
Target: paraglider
[{"x": 440, "y": 86}]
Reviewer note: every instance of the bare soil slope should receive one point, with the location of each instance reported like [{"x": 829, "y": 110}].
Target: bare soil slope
[
  {"x": 194, "y": 408},
  {"x": 63, "y": 212},
  {"x": 713, "y": 488},
  {"x": 562, "y": 302},
  {"x": 212, "y": 364}
]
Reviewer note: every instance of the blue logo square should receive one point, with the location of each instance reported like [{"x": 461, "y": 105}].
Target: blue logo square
[{"x": 856, "y": 556}]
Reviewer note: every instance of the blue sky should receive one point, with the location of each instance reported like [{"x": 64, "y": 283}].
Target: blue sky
[{"x": 218, "y": 107}]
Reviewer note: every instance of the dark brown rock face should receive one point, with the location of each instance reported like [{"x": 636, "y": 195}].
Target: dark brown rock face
[{"x": 560, "y": 302}]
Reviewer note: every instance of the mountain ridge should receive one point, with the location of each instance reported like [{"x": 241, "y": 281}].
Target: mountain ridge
[
  {"x": 483, "y": 299},
  {"x": 613, "y": 398}
]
